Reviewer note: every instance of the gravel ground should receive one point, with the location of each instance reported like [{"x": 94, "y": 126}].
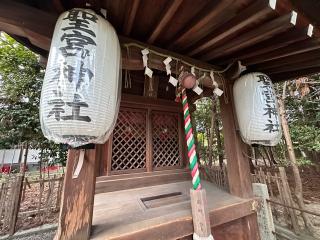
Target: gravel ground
[{"x": 39, "y": 236}]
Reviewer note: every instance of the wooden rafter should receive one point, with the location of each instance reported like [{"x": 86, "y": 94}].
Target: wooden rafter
[
  {"x": 279, "y": 41},
  {"x": 24, "y": 41},
  {"x": 31, "y": 24},
  {"x": 255, "y": 12},
  {"x": 254, "y": 36},
  {"x": 58, "y": 6},
  {"x": 294, "y": 74},
  {"x": 286, "y": 5},
  {"x": 295, "y": 66},
  {"x": 290, "y": 50},
  {"x": 167, "y": 15},
  {"x": 130, "y": 17},
  {"x": 281, "y": 62},
  {"x": 200, "y": 23},
  {"x": 22, "y": 20}
]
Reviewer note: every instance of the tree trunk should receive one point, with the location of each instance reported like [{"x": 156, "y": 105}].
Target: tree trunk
[
  {"x": 207, "y": 160},
  {"x": 24, "y": 164},
  {"x": 210, "y": 142},
  {"x": 40, "y": 164},
  {"x": 20, "y": 156},
  {"x": 267, "y": 155},
  {"x": 272, "y": 155},
  {"x": 261, "y": 155},
  {"x": 252, "y": 168},
  {"x": 254, "y": 157},
  {"x": 3, "y": 157},
  {"x": 217, "y": 132},
  {"x": 293, "y": 161}
]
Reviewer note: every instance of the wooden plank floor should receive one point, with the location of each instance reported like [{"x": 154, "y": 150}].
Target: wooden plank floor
[{"x": 124, "y": 215}]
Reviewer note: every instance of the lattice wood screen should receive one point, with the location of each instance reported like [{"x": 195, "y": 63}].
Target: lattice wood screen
[
  {"x": 165, "y": 140},
  {"x": 129, "y": 141}
]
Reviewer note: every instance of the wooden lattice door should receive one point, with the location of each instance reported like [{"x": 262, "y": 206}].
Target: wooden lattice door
[
  {"x": 165, "y": 140},
  {"x": 129, "y": 141}
]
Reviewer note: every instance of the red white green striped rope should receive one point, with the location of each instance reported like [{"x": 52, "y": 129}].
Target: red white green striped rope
[{"x": 193, "y": 160}]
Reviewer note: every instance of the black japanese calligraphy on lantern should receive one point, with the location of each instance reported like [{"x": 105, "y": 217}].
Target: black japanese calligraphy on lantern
[
  {"x": 78, "y": 34},
  {"x": 78, "y": 40},
  {"x": 76, "y": 104},
  {"x": 271, "y": 126},
  {"x": 58, "y": 105},
  {"x": 264, "y": 79},
  {"x": 76, "y": 76},
  {"x": 270, "y": 110}
]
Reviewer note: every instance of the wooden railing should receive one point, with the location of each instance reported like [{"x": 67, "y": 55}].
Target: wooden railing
[
  {"x": 216, "y": 175},
  {"x": 284, "y": 208},
  {"x": 27, "y": 201}
]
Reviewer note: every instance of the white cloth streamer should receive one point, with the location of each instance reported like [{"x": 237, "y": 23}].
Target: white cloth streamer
[
  {"x": 167, "y": 64},
  {"x": 145, "y": 53}
]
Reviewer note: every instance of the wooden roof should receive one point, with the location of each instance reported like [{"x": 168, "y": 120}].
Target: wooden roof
[{"x": 267, "y": 38}]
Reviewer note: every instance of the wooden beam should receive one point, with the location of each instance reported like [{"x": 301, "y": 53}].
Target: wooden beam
[
  {"x": 254, "y": 13},
  {"x": 77, "y": 199},
  {"x": 132, "y": 60},
  {"x": 57, "y": 4},
  {"x": 167, "y": 15},
  {"x": 278, "y": 77},
  {"x": 237, "y": 160},
  {"x": 128, "y": 23},
  {"x": 294, "y": 67},
  {"x": 286, "y": 6},
  {"x": 25, "y": 42},
  {"x": 290, "y": 50},
  {"x": 254, "y": 36},
  {"x": 13, "y": 24},
  {"x": 276, "y": 42},
  {"x": 22, "y": 20},
  {"x": 294, "y": 59},
  {"x": 201, "y": 23}
]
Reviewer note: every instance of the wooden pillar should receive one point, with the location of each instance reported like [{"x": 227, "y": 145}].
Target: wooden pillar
[
  {"x": 77, "y": 198},
  {"x": 236, "y": 151},
  {"x": 237, "y": 163}
]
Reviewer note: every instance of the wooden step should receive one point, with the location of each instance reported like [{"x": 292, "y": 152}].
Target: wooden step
[{"x": 138, "y": 180}]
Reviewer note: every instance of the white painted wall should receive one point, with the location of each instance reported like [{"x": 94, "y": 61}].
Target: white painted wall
[{"x": 8, "y": 156}]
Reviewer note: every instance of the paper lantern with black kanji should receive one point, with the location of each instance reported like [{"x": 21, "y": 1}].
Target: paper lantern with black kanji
[
  {"x": 257, "y": 109},
  {"x": 81, "y": 89}
]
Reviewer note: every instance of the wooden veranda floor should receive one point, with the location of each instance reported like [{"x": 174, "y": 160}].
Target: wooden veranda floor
[{"x": 160, "y": 212}]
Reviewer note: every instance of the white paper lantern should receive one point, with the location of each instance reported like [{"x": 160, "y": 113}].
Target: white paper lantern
[
  {"x": 257, "y": 109},
  {"x": 82, "y": 85}
]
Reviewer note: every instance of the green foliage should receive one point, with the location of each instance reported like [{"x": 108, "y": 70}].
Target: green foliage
[
  {"x": 303, "y": 161},
  {"x": 302, "y": 106},
  {"x": 21, "y": 82},
  {"x": 202, "y": 116},
  {"x": 202, "y": 124}
]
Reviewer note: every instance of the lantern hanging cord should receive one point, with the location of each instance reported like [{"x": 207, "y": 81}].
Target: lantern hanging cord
[
  {"x": 127, "y": 45},
  {"x": 193, "y": 159}
]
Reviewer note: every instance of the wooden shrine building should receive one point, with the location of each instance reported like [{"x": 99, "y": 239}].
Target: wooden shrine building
[{"x": 135, "y": 186}]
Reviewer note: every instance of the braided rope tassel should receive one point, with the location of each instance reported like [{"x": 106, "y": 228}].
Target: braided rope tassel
[{"x": 193, "y": 159}]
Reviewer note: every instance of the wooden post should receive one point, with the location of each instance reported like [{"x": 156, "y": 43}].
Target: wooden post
[
  {"x": 200, "y": 214},
  {"x": 149, "y": 162},
  {"x": 15, "y": 204},
  {"x": 237, "y": 162},
  {"x": 77, "y": 198}
]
